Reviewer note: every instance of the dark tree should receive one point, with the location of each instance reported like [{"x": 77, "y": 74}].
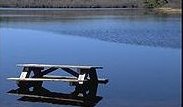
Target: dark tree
[{"x": 155, "y": 3}]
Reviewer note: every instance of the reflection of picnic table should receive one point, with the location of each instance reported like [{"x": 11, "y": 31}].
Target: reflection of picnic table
[
  {"x": 80, "y": 97},
  {"x": 80, "y": 74}
]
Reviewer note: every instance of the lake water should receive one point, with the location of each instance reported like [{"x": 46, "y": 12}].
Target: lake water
[{"x": 141, "y": 54}]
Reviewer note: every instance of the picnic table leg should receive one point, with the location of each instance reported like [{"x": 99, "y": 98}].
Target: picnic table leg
[
  {"x": 37, "y": 74},
  {"x": 93, "y": 76},
  {"x": 25, "y": 74},
  {"x": 79, "y": 89},
  {"x": 87, "y": 89},
  {"x": 92, "y": 89}
]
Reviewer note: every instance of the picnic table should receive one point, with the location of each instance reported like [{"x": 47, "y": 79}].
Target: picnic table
[{"x": 79, "y": 74}]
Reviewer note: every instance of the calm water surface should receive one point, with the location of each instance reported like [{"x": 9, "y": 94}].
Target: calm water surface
[{"x": 140, "y": 55}]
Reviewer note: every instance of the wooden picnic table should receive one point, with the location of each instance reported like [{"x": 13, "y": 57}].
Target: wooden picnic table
[{"x": 80, "y": 74}]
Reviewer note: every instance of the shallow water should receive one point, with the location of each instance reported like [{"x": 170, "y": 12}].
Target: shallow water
[{"x": 140, "y": 55}]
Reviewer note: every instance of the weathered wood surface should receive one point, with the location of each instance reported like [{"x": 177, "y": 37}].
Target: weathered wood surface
[
  {"x": 60, "y": 66},
  {"x": 57, "y": 78},
  {"x": 71, "y": 77},
  {"x": 100, "y": 80}
]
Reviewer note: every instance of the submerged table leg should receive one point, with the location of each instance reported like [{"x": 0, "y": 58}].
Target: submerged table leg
[
  {"x": 37, "y": 74},
  {"x": 93, "y": 75},
  {"x": 92, "y": 89},
  {"x": 87, "y": 89},
  {"x": 25, "y": 74}
]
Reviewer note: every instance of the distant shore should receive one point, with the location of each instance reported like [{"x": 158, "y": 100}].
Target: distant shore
[
  {"x": 156, "y": 10},
  {"x": 4, "y": 8}
]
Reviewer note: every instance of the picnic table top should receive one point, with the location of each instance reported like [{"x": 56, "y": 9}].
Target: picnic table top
[{"x": 60, "y": 66}]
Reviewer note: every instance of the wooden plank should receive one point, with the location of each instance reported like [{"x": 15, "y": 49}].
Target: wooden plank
[
  {"x": 60, "y": 66},
  {"x": 70, "y": 71},
  {"x": 59, "y": 77},
  {"x": 45, "y": 79},
  {"x": 100, "y": 80},
  {"x": 81, "y": 78},
  {"x": 49, "y": 70}
]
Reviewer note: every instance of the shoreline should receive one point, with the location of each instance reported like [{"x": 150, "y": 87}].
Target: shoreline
[
  {"x": 168, "y": 10},
  {"x": 158, "y": 11},
  {"x": 2, "y": 8}
]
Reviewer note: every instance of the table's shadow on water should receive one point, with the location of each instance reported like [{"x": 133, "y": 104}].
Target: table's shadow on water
[{"x": 83, "y": 95}]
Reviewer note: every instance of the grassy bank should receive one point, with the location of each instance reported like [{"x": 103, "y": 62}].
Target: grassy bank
[
  {"x": 71, "y": 3},
  {"x": 84, "y": 3}
]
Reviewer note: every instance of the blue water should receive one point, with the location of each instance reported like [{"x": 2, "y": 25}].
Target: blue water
[
  {"x": 140, "y": 55},
  {"x": 137, "y": 30}
]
